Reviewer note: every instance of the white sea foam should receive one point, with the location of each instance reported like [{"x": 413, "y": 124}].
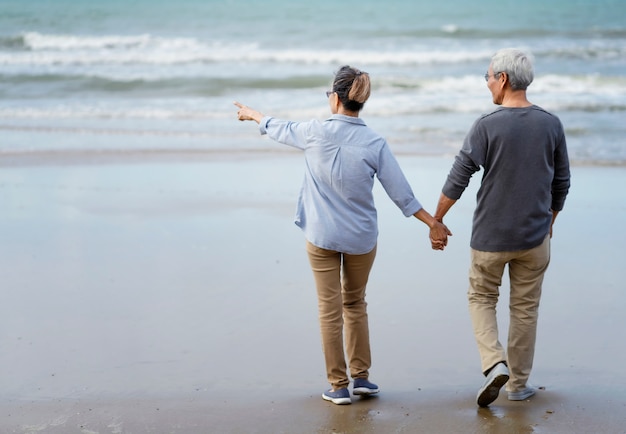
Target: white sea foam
[
  {"x": 392, "y": 96},
  {"x": 38, "y": 41},
  {"x": 111, "y": 111},
  {"x": 171, "y": 54},
  {"x": 57, "y": 50},
  {"x": 450, "y": 28}
]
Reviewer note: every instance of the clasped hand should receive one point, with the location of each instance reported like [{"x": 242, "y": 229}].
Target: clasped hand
[{"x": 439, "y": 236}]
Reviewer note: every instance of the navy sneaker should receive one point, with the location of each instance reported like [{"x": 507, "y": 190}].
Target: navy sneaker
[
  {"x": 339, "y": 396},
  {"x": 364, "y": 387},
  {"x": 498, "y": 376}
]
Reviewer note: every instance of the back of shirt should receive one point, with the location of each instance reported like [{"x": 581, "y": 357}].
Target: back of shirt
[
  {"x": 336, "y": 207},
  {"x": 526, "y": 175}
]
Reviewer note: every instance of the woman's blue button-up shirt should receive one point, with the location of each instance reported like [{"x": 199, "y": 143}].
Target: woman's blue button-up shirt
[{"x": 336, "y": 205}]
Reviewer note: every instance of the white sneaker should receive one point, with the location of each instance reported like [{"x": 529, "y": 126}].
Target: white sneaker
[
  {"x": 523, "y": 394},
  {"x": 497, "y": 377}
]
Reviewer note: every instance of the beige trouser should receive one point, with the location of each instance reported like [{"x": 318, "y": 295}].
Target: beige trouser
[
  {"x": 526, "y": 271},
  {"x": 341, "y": 280}
]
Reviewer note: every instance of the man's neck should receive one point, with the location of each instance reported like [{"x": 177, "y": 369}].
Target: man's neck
[{"x": 516, "y": 99}]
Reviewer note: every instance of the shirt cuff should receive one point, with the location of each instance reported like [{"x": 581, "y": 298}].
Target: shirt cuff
[
  {"x": 263, "y": 124},
  {"x": 413, "y": 207}
]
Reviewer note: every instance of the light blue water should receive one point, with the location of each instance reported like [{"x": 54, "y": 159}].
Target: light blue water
[{"x": 162, "y": 75}]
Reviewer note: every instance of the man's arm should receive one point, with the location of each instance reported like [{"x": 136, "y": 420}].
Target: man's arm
[{"x": 443, "y": 206}]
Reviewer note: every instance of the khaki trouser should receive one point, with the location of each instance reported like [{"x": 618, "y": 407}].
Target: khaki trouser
[
  {"x": 341, "y": 280},
  {"x": 526, "y": 271}
]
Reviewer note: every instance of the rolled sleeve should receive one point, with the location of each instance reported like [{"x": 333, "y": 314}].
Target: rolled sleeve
[{"x": 263, "y": 124}]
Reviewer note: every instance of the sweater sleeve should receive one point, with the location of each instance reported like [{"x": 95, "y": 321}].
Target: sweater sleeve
[
  {"x": 467, "y": 162},
  {"x": 561, "y": 180}
]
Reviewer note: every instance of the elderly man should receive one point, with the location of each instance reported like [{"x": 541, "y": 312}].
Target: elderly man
[{"x": 521, "y": 148}]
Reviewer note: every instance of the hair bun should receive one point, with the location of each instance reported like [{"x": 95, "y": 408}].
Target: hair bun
[{"x": 352, "y": 87}]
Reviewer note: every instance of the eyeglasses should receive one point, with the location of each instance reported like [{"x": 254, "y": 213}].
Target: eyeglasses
[
  {"x": 329, "y": 93},
  {"x": 494, "y": 75}
]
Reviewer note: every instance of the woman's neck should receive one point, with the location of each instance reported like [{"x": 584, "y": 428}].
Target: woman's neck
[{"x": 343, "y": 111}]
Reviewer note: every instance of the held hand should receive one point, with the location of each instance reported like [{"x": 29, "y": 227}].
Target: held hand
[
  {"x": 438, "y": 231},
  {"x": 439, "y": 236},
  {"x": 246, "y": 113}
]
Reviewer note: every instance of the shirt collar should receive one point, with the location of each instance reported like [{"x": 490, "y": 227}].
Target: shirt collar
[{"x": 349, "y": 119}]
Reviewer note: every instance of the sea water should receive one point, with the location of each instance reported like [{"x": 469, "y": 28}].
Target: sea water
[{"x": 94, "y": 75}]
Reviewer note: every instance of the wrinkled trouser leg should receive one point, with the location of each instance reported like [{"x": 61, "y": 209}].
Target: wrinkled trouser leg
[
  {"x": 341, "y": 303},
  {"x": 485, "y": 277},
  {"x": 526, "y": 273}
]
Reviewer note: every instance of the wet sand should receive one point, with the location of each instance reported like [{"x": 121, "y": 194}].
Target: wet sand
[{"x": 172, "y": 294}]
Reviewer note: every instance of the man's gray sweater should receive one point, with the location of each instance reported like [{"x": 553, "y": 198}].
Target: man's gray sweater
[{"x": 526, "y": 176}]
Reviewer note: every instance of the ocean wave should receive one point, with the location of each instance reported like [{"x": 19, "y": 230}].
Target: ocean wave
[
  {"x": 589, "y": 87},
  {"x": 444, "y": 93},
  {"x": 38, "y": 41},
  {"x": 44, "y": 50},
  {"x": 382, "y": 106},
  {"x": 104, "y": 131},
  {"x": 242, "y": 54},
  {"x": 110, "y": 112},
  {"x": 300, "y": 79},
  {"x": 137, "y": 85}
]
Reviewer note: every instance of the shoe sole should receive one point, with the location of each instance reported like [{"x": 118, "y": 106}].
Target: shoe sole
[
  {"x": 338, "y": 401},
  {"x": 364, "y": 391},
  {"x": 491, "y": 392}
]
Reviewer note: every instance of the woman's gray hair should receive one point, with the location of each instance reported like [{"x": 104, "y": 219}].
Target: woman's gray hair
[{"x": 517, "y": 64}]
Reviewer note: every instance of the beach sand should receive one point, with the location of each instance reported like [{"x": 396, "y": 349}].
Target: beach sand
[{"x": 172, "y": 294}]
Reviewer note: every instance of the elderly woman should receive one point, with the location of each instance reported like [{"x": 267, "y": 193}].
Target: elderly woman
[{"x": 336, "y": 212}]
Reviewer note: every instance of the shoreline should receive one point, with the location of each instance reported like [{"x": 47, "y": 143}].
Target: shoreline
[{"x": 56, "y": 157}]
